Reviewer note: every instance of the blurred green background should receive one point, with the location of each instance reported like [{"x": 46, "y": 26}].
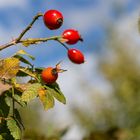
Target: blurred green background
[
  {"x": 113, "y": 114},
  {"x": 104, "y": 116}
]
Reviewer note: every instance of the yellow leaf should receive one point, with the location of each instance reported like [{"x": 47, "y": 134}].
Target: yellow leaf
[
  {"x": 41, "y": 93},
  {"x": 9, "y": 67},
  {"x": 46, "y": 99},
  {"x": 31, "y": 92}
]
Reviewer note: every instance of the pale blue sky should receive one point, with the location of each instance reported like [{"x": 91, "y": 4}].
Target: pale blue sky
[{"x": 89, "y": 17}]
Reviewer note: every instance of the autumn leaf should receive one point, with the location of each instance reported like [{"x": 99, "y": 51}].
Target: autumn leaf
[
  {"x": 9, "y": 67},
  {"x": 31, "y": 92},
  {"x": 56, "y": 92},
  {"x": 46, "y": 99}
]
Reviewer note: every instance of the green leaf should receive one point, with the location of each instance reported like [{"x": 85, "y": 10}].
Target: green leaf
[
  {"x": 5, "y": 135},
  {"x": 14, "y": 129},
  {"x": 26, "y": 72},
  {"x": 4, "y": 108},
  {"x": 17, "y": 99},
  {"x": 7, "y": 100},
  {"x": 1, "y": 138},
  {"x": 39, "y": 69},
  {"x": 22, "y": 59},
  {"x": 18, "y": 119},
  {"x": 22, "y": 73},
  {"x": 56, "y": 92},
  {"x": 46, "y": 99},
  {"x": 31, "y": 92},
  {"x": 25, "y": 53}
]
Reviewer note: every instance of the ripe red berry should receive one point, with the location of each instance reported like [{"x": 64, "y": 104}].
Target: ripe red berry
[
  {"x": 76, "y": 56},
  {"x": 72, "y": 36},
  {"x": 49, "y": 75},
  {"x": 53, "y": 19}
]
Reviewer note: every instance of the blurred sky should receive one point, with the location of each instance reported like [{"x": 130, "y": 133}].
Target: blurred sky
[
  {"x": 87, "y": 16},
  {"x": 91, "y": 18}
]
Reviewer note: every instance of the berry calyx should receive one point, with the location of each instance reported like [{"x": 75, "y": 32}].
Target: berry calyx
[
  {"x": 76, "y": 56},
  {"x": 49, "y": 75},
  {"x": 72, "y": 36},
  {"x": 53, "y": 19}
]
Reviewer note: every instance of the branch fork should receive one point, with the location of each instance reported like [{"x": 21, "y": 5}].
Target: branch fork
[{"x": 30, "y": 41}]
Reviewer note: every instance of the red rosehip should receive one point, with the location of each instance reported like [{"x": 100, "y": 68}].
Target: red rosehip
[
  {"x": 76, "y": 56},
  {"x": 49, "y": 75},
  {"x": 53, "y": 19},
  {"x": 72, "y": 36}
]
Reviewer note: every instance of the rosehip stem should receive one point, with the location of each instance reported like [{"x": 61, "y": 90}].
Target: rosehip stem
[
  {"x": 81, "y": 39},
  {"x": 65, "y": 46}
]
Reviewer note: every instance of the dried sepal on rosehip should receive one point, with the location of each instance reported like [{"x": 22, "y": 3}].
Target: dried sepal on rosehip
[
  {"x": 53, "y": 19},
  {"x": 71, "y": 36},
  {"x": 76, "y": 56},
  {"x": 49, "y": 75}
]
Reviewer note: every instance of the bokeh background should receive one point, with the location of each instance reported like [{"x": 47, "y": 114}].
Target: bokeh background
[{"x": 103, "y": 93}]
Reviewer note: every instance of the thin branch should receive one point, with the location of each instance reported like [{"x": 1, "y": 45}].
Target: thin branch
[
  {"x": 13, "y": 103},
  {"x": 29, "y": 41},
  {"x": 38, "y": 40},
  {"x": 13, "y": 42},
  {"x": 17, "y": 40},
  {"x": 29, "y": 26}
]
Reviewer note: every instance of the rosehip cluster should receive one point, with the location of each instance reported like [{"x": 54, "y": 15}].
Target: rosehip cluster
[{"x": 53, "y": 20}]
